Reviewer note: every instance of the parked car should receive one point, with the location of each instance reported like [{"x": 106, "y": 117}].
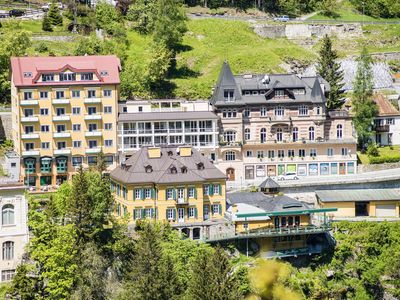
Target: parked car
[
  {"x": 288, "y": 176},
  {"x": 282, "y": 18},
  {"x": 16, "y": 13},
  {"x": 46, "y": 6}
]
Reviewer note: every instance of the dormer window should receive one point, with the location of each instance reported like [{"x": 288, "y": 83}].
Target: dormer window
[
  {"x": 170, "y": 153},
  {"x": 67, "y": 76},
  {"x": 148, "y": 169},
  {"x": 279, "y": 93},
  {"x": 255, "y": 92},
  {"x": 229, "y": 95},
  {"x": 173, "y": 170},
  {"x": 27, "y": 74},
  {"x": 47, "y": 77},
  {"x": 86, "y": 76},
  {"x": 103, "y": 73},
  {"x": 184, "y": 170},
  {"x": 247, "y": 93},
  {"x": 200, "y": 166}
]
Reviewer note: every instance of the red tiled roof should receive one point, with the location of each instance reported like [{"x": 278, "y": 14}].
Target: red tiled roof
[
  {"x": 384, "y": 106},
  {"x": 38, "y": 65}
]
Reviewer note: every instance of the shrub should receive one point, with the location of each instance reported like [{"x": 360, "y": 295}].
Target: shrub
[
  {"x": 42, "y": 47},
  {"x": 384, "y": 159},
  {"x": 46, "y": 24},
  {"x": 372, "y": 150}
]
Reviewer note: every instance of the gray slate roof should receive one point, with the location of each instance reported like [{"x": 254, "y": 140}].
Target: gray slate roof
[
  {"x": 134, "y": 170},
  {"x": 269, "y": 183},
  {"x": 357, "y": 195},
  {"x": 238, "y": 83},
  {"x": 167, "y": 116},
  {"x": 267, "y": 203}
]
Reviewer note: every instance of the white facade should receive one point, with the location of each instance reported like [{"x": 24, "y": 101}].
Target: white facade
[
  {"x": 14, "y": 234},
  {"x": 387, "y": 130}
]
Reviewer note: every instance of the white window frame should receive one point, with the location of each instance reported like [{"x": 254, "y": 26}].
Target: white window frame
[{"x": 138, "y": 195}]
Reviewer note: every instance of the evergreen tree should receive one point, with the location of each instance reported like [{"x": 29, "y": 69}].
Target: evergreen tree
[
  {"x": 46, "y": 25},
  {"x": 54, "y": 15},
  {"x": 363, "y": 105},
  {"x": 213, "y": 277},
  {"x": 329, "y": 69},
  {"x": 101, "y": 164}
]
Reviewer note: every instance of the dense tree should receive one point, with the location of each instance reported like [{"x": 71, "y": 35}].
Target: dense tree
[
  {"x": 142, "y": 14},
  {"x": 363, "y": 105},
  {"x": 54, "y": 15},
  {"x": 46, "y": 24},
  {"x": 108, "y": 18},
  {"x": 378, "y": 8},
  {"x": 123, "y": 6},
  {"x": 329, "y": 68}
]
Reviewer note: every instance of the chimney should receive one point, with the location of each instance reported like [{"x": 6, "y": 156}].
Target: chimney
[{"x": 154, "y": 152}]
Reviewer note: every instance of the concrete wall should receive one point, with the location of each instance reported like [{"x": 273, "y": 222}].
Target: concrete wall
[
  {"x": 377, "y": 167},
  {"x": 5, "y": 125}
]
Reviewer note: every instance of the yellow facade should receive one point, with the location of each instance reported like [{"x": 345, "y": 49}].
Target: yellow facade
[
  {"x": 167, "y": 202},
  {"x": 348, "y": 209},
  {"x": 269, "y": 224},
  {"x": 62, "y": 122}
]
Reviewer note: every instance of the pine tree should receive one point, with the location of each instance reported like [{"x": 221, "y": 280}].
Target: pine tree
[
  {"x": 54, "y": 15},
  {"x": 101, "y": 164},
  {"x": 363, "y": 105},
  {"x": 329, "y": 69},
  {"x": 46, "y": 25}
]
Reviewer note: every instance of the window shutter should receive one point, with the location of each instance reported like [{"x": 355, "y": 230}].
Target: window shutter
[
  {"x": 220, "y": 189},
  {"x": 142, "y": 194},
  {"x": 220, "y": 209},
  {"x": 153, "y": 193},
  {"x": 195, "y": 212},
  {"x": 174, "y": 214},
  {"x": 174, "y": 193},
  {"x": 143, "y": 213},
  {"x": 134, "y": 213},
  {"x": 166, "y": 194},
  {"x": 211, "y": 189},
  {"x": 155, "y": 213},
  {"x": 195, "y": 192},
  {"x": 166, "y": 214}
]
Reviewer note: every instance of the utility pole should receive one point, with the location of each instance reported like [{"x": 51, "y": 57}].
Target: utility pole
[{"x": 363, "y": 12}]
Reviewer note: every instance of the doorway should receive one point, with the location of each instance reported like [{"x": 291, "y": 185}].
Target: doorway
[
  {"x": 362, "y": 209},
  {"x": 230, "y": 174}
]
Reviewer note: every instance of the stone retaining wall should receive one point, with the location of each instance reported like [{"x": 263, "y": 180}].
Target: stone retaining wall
[
  {"x": 377, "y": 167},
  {"x": 5, "y": 126}
]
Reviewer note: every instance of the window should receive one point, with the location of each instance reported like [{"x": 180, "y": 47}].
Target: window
[
  {"x": 247, "y": 135},
  {"x": 107, "y": 109},
  {"x": 279, "y": 93},
  {"x": 290, "y": 153},
  {"x": 170, "y": 213},
  {"x": 60, "y": 94},
  {"x": 44, "y": 128},
  {"x": 92, "y": 160},
  {"x": 344, "y": 151},
  {"x": 28, "y": 112},
  {"x": 149, "y": 212},
  {"x": 263, "y": 135},
  {"x": 313, "y": 152},
  {"x": 138, "y": 194},
  {"x": 263, "y": 111},
  {"x": 249, "y": 172},
  {"x": 43, "y": 95},
  {"x": 108, "y": 143},
  {"x": 247, "y": 93},
  {"x": 92, "y": 127},
  {"x": 7, "y": 214},
  {"x": 47, "y": 77},
  {"x": 339, "y": 131},
  {"x": 27, "y": 95},
  {"x": 279, "y": 111},
  {"x": 302, "y": 152},
  {"x": 191, "y": 212},
  {"x": 216, "y": 209},
  {"x": 107, "y": 93},
  {"x": 108, "y": 126},
  {"x": 279, "y": 134},
  {"x": 44, "y": 111},
  {"x": 76, "y": 127},
  {"x": 230, "y": 155},
  {"x": 229, "y": 136},
  {"x": 299, "y": 91},
  {"x": 76, "y": 94},
  {"x": 260, "y": 154},
  {"x": 295, "y": 134},
  {"x": 67, "y": 77},
  {"x": 229, "y": 113},
  {"x": 330, "y": 151},
  {"x": 61, "y": 145},
  {"x": 229, "y": 95},
  {"x": 77, "y": 161},
  {"x": 91, "y": 94},
  {"x": 76, "y": 110},
  {"x": 87, "y": 76},
  {"x": 92, "y": 110},
  {"x": 192, "y": 192},
  {"x": 29, "y": 146},
  {"x": 45, "y": 145},
  {"x": 249, "y": 153},
  {"x": 246, "y": 226},
  {"x": 216, "y": 189},
  {"x": 170, "y": 194},
  {"x": 77, "y": 144},
  {"x": 92, "y": 144},
  {"x": 13, "y": 165},
  {"x": 140, "y": 108},
  {"x": 281, "y": 153},
  {"x": 311, "y": 133},
  {"x": 246, "y": 113},
  {"x": 318, "y": 110},
  {"x": 8, "y": 250},
  {"x": 29, "y": 129},
  {"x": 390, "y": 121},
  {"x": 181, "y": 193},
  {"x": 60, "y": 128},
  {"x": 147, "y": 193},
  {"x": 60, "y": 111},
  {"x": 206, "y": 190},
  {"x": 271, "y": 153},
  {"x": 303, "y": 110},
  {"x": 7, "y": 275}
]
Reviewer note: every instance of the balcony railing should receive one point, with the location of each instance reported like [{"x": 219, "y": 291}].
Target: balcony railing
[
  {"x": 382, "y": 128},
  {"x": 29, "y": 102},
  {"x": 94, "y": 116},
  {"x": 30, "y": 119}
]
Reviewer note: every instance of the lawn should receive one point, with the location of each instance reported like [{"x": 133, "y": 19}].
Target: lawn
[{"x": 383, "y": 151}]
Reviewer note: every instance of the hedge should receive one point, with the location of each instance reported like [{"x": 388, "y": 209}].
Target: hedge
[{"x": 384, "y": 159}]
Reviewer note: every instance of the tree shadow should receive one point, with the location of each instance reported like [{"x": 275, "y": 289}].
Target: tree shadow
[
  {"x": 163, "y": 90},
  {"x": 183, "y": 72},
  {"x": 183, "y": 48}
]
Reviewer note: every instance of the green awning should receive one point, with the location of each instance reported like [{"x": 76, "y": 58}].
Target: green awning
[{"x": 287, "y": 213}]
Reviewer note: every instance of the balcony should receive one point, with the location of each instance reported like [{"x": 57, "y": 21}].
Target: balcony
[
  {"x": 382, "y": 128},
  {"x": 29, "y": 102},
  {"x": 28, "y": 136},
  {"x": 62, "y": 134},
  {"x": 91, "y": 100},
  {"x": 61, "y": 118},
  {"x": 93, "y": 133},
  {"x": 62, "y": 151},
  {"x": 60, "y": 101},
  {"x": 93, "y": 150},
  {"x": 182, "y": 201},
  {"x": 93, "y": 117},
  {"x": 31, "y": 153},
  {"x": 30, "y": 119},
  {"x": 145, "y": 131}
]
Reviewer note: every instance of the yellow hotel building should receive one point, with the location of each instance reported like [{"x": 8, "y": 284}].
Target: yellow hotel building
[
  {"x": 64, "y": 112},
  {"x": 177, "y": 185}
]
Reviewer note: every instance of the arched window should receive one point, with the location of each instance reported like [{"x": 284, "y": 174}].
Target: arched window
[
  {"x": 229, "y": 136},
  {"x": 311, "y": 133},
  {"x": 7, "y": 214},
  {"x": 295, "y": 134},
  {"x": 339, "y": 131},
  {"x": 8, "y": 250},
  {"x": 230, "y": 155},
  {"x": 263, "y": 135},
  {"x": 247, "y": 135},
  {"x": 279, "y": 134}
]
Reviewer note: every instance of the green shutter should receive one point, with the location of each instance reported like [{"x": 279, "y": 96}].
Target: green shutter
[
  {"x": 195, "y": 212},
  {"x": 195, "y": 192},
  {"x": 155, "y": 213},
  {"x": 153, "y": 193},
  {"x": 211, "y": 189},
  {"x": 220, "y": 189},
  {"x": 174, "y": 193},
  {"x": 134, "y": 213},
  {"x": 143, "y": 213},
  {"x": 166, "y": 194},
  {"x": 142, "y": 194},
  {"x": 220, "y": 209},
  {"x": 174, "y": 214}
]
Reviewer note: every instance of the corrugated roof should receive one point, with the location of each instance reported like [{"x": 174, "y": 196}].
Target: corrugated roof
[
  {"x": 357, "y": 195},
  {"x": 134, "y": 170},
  {"x": 167, "y": 116}
]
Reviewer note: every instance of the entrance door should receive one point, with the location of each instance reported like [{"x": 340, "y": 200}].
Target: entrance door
[
  {"x": 271, "y": 171},
  {"x": 230, "y": 174},
  {"x": 386, "y": 210},
  {"x": 181, "y": 215},
  {"x": 362, "y": 209},
  {"x": 342, "y": 169}
]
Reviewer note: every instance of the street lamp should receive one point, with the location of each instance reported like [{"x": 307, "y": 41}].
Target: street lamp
[{"x": 363, "y": 12}]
